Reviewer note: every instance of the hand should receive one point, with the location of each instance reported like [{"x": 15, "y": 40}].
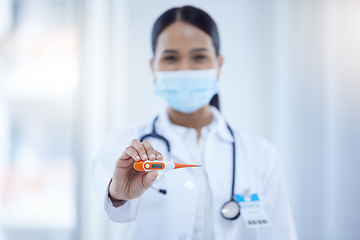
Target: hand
[{"x": 127, "y": 183}]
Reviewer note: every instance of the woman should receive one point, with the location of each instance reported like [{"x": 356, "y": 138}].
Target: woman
[{"x": 190, "y": 203}]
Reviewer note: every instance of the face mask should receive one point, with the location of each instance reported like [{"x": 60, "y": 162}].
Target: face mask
[{"x": 187, "y": 91}]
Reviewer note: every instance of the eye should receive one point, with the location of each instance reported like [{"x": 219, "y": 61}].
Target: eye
[
  {"x": 199, "y": 57},
  {"x": 170, "y": 58}
]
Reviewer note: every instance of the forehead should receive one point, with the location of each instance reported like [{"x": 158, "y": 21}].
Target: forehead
[{"x": 182, "y": 36}]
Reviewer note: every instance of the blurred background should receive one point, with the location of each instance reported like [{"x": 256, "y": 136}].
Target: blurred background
[{"x": 73, "y": 70}]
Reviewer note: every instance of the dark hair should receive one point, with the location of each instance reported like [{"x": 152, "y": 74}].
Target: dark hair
[{"x": 195, "y": 17}]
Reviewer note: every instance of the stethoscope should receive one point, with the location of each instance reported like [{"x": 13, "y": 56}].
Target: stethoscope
[{"x": 231, "y": 209}]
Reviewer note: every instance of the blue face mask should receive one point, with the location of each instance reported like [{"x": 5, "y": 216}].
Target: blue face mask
[{"x": 187, "y": 91}]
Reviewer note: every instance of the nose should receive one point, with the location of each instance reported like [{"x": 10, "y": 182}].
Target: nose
[{"x": 184, "y": 65}]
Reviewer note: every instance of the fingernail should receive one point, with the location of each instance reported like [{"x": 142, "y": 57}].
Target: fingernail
[
  {"x": 160, "y": 156},
  {"x": 152, "y": 156},
  {"x": 154, "y": 178},
  {"x": 138, "y": 158},
  {"x": 144, "y": 156}
]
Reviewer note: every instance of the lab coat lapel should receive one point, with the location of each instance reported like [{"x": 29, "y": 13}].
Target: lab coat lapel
[
  {"x": 219, "y": 159},
  {"x": 244, "y": 178},
  {"x": 220, "y": 175}
]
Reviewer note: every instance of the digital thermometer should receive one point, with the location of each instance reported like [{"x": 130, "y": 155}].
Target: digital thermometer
[{"x": 159, "y": 165}]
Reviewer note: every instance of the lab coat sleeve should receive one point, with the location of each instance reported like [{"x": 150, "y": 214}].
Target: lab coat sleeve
[
  {"x": 275, "y": 198},
  {"x": 110, "y": 150}
]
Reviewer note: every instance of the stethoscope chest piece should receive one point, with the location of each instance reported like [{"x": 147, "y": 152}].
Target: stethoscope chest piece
[{"x": 230, "y": 210}]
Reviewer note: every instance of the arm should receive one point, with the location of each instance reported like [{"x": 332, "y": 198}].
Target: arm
[
  {"x": 115, "y": 178},
  {"x": 101, "y": 181}
]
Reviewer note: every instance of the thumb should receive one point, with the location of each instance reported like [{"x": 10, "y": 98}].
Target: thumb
[{"x": 149, "y": 179}]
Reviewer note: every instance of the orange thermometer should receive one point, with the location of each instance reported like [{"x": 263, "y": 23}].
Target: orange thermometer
[{"x": 159, "y": 165}]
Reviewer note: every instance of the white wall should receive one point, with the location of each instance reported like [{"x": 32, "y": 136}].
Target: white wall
[{"x": 316, "y": 72}]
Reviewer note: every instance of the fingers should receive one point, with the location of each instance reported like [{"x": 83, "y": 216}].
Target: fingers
[
  {"x": 140, "y": 149},
  {"x": 131, "y": 152},
  {"x": 149, "y": 150},
  {"x": 145, "y": 150},
  {"x": 128, "y": 183},
  {"x": 127, "y": 157},
  {"x": 149, "y": 179},
  {"x": 158, "y": 155}
]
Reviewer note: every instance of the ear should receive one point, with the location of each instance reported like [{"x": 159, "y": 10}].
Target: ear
[
  {"x": 220, "y": 64},
  {"x": 151, "y": 63}
]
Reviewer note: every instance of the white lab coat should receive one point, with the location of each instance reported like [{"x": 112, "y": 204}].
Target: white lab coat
[{"x": 172, "y": 216}]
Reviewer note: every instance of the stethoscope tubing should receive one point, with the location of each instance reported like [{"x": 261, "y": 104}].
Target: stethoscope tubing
[
  {"x": 234, "y": 162},
  {"x": 154, "y": 134}
]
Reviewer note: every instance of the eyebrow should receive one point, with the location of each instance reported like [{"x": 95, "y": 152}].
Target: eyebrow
[
  {"x": 199, "y": 49},
  {"x": 193, "y": 50},
  {"x": 170, "y": 51}
]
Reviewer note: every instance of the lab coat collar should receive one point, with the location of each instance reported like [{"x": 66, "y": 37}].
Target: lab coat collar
[
  {"x": 165, "y": 127},
  {"x": 222, "y": 129},
  {"x": 178, "y": 150}
]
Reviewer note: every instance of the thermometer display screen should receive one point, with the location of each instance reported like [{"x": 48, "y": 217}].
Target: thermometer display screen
[{"x": 156, "y": 165}]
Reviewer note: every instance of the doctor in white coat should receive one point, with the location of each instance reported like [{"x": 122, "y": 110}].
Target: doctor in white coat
[{"x": 238, "y": 167}]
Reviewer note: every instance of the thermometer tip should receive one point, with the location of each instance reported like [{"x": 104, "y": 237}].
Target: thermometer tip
[{"x": 198, "y": 165}]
